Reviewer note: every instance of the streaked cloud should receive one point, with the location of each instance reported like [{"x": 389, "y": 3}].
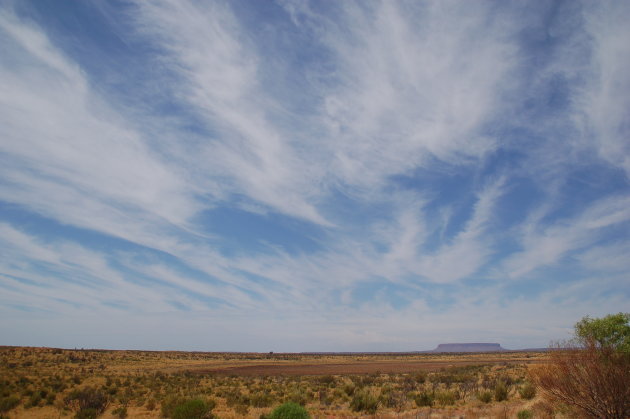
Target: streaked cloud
[{"x": 376, "y": 175}]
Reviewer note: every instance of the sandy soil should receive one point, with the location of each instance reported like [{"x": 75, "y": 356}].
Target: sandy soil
[
  {"x": 354, "y": 366},
  {"x": 398, "y": 366}
]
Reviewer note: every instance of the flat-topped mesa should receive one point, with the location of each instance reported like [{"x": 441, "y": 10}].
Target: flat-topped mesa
[{"x": 469, "y": 347}]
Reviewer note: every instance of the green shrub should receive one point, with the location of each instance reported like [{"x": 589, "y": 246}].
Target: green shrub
[
  {"x": 169, "y": 403},
  {"x": 88, "y": 398},
  {"x": 528, "y": 391},
  {"x": 424, "y": 399},
  {"x": 485, "y": 396},
  {"x": 445, "y": 398},
  {"x": 289, "y": 411},
  {"x": 363, "y": 401},
  {"x": 8, "y": 403},
  {"x": 500, "y": 392},
  {"x": 193, "y": 409},
  {"x": 178, "y": 407},
  {"x": 390, "y": 398},
  {"x": 36, "y": 398},
  {"x": 525, "y": 414}
]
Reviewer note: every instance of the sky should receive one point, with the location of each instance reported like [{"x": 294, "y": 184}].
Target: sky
[{"x": 311, "y": 175}]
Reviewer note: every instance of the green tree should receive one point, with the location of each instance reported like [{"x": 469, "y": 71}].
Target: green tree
[{"x": 611, "y": 331}]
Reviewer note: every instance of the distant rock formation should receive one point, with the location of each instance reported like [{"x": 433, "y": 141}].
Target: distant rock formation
[{"x": 469, "y": 347}]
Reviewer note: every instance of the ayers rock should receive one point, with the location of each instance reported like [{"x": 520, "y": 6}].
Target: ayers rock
[{"x": 469, "y": 347}]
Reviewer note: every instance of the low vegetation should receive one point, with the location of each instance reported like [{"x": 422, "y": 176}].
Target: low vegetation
[
  {"x": 585, "y": 379},
  {"x": 87, "y": 383},
  {"x": 288, "y": 410}
]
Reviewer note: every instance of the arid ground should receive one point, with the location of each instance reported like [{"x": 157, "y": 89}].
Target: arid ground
[{"x": 44, "y": 382}]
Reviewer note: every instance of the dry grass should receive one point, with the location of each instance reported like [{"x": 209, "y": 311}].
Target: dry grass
[{"x": 248, "y": 385}]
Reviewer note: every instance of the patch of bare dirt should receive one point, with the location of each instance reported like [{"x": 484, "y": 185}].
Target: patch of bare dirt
[{"x": 397, "y": 367}]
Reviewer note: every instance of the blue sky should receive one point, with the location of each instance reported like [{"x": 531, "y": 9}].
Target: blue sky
[{"x": 311, "y": 176}]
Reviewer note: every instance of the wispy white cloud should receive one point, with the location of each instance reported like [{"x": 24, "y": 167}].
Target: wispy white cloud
[
  {"x": 414, "y": 130},
  {"x": 472, "y": 246},
  {"x": 412, "y": 82},
  {"x": 219, "y": 77},
  {"x": 544, "y": 244},
  {"x": 63, "y": 277},
  {"x": 604, "y": 99},
  {"x": 69, "y": 155},
  {"x": 607, "y": 258}
]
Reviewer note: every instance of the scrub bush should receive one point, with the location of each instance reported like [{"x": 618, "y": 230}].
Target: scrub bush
[
  {"x": 527, "y": 392},
  {"x": 8, "y": 403},
  {"x": 289, "y": 411},
  {"x": 500, "y": 392},
  {"x": 87, "y": 414},
  {"x": 261, "y": 399},
  {"x": 424, "y": 399},
  {"x": 363, "y": 401},
  {"x": 89, "y": 400},
  {"x": 445, "y": 398},
  {"x": 193, "y": 409},
  {"x": 485, "y": 396},
  {"x": 590, "y": 374}
]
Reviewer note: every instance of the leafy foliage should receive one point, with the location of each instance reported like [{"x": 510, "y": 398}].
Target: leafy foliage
[
  {"x": 610, "y": 332},
  {"x": 177, "y": 407},
  {"x": 289, "y": 411}
]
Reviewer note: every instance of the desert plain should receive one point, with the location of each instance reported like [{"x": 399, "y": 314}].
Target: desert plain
[{"x": 44, "y": 383}]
